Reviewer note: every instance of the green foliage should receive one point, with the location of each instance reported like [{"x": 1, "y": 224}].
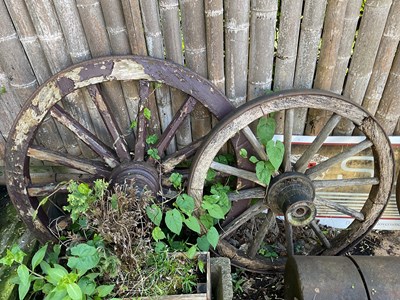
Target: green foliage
[
  {"x": 268, "y": 251},
  {"x": 275, "y": 151},
  {"x": 266, "y": 129},
  {"x": 152, "y": 139},
  {"x": 147, "y": 113},
  {"x": 3, "y": 90},
  {"x": 153, "y": 152},
  {"x": 176, "y": 180},
  {"x": 133, "y": 124},
  {"x": 243, "y": 153}
]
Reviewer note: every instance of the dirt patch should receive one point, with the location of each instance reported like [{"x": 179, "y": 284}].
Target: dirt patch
[{"x": 271, "y": 287}]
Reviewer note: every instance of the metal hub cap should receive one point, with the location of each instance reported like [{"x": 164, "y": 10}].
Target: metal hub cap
[
  {"x": 139, "y": 174},
  {"x": 292, "y": 194}
]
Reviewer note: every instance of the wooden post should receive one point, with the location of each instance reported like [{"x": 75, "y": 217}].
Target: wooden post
[
  {"x": 194, "y": 36},
  {"x": 134, "y": 25},
  {"x": 388, "y": 113},
  {"x": 236, "y": 49},
  {"x": 262, "y": 46},
  {"x": 365, "y": 50},
  {"x": 7, "y": 102},
  {"x": 346, "y": 45},
  {"x": 384, "y": 59},
  {"x": 169, "y": 13},
  {"x": 310, "y": 38},
  {"x": 397, "y": 130},
  {"x": 331, "y": 36},
  {"x": 286, "y": 54}
]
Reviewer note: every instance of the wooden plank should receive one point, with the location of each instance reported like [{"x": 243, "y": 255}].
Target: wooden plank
[
  {"x": 308, "y": 49},
  {"x": 262, "y": 46},
  {"x": 365, "y": 50},
  {"x": 388, "y": 113},
  {"x": 346, "y": 44},
  {"x": 288, "y": 37},
  {"x": 384, "y": 59},
  {"x": 194, "y": 36},
  {"x": 134, "y": 25},
  {"x": 331, "y": 36},
  {"x": 169, "y": 13},
  {"x": 236, "y": 49},
  {"x": 155, "y": 47}
]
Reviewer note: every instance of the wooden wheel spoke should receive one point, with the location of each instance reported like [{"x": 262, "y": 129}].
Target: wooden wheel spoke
[
  {"x": 252, "y": 193},
  {"x": 248, "y": 133},
  {"x": 314, "y": 226},
  {"x": 318, "y": 169},
  {"x": 85, "y": 135},
  {"x": 321, "y": 184},
  {"x": 243, "y": 218},
  {"x": 340, "y": 208},
  {"x": 36, "y": 190},
  {"x": 267, "y": 224},
  {"x": 302, "y": 162},
  {"x": 171, "y": 161},
  {"x": 186, "y": 108},
  {"x": 119, "y": 142},
  {"x": 287, "y": 141},
  {"x": 140, "y": 146},
  {"x": 91, "y": 167},
  {"x": 251, "y": 176}
]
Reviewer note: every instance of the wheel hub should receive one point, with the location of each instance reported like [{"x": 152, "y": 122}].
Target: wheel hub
[
  {"x": 292, "y": 194},
  {"x": 138, "y": 174}
]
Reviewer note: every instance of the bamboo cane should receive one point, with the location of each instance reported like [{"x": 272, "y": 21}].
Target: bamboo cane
[
  {"x": 365, "y": 50},
  {"x": 310, "y": 37}
]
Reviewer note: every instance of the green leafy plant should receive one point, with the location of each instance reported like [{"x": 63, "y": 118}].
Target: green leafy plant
[{"x": 3, "y": 90}]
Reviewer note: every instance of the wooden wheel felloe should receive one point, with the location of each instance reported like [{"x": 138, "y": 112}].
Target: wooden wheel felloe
[
  {"x": 126, "y": 156},
  {"x": 288, "y": 204}
]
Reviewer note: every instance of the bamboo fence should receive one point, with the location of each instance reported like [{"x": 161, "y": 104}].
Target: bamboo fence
[{"x": 246, "y": 48}]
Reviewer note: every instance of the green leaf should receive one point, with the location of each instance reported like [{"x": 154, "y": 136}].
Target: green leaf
[
  {"x": 38, "y": 257},
  {"x": 133, "y": 124},
  {"x": 176, "y": 180},
  {"x": 55, "y": 275},
  {"x": 147, "y": 113},
  {"x": 114, "y": 202},
  {"x": 158, "y": 234},
  {"x": 275, "y": 153},
  {"x": 207, "y": 221},
  {"x": 87, "y": 285},
  {"x": 38, "y": 285},
  {"x": 243, "y": 153},
  {"x": 45, "y": 267},
  {"x": 173, "y": 220},
  {"x": 203, "y": 243},
  {"x": 264, "y": 171},
  {"x": 152, "y": 139},
  {"x": 153, "y": 152},
  {"x": 201, "y": 265},
  {"x": 193, "y": 224},
  {"x": 191, "y": 252},
  {"x": 86, "y": 258},
  {"x": 104, "y": 290},
  {"x": 211, "y": 174},
  {"x": 84, "y": 188},
  {"x": 23, "y": 274},
  {"x": 253, "y": 159},
  {"x": 213, "y": 237},
  {"x": 216, "y": 211},
  {"x": 23, "y": 289},
  {"x": 185, "y": 204},
  {"x": 159, "y": 247},
  {"x": 74, "y": 291},
  {"x": 154, "y": 213},
  {"x": 266, "y": 129}
]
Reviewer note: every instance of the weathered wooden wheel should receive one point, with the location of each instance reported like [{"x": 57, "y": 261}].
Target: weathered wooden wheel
[
  {"x": 126, "y": 157},
  {"x": 290, "y": 202}
]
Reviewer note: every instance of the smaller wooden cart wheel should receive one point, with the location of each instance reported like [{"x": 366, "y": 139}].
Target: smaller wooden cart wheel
[{"x": 290, "y": 203}]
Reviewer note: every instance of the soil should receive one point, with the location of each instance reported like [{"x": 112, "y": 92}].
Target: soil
[{"x": 270, "y": 287}]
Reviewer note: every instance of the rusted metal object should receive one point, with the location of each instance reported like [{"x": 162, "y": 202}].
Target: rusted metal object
[
  {"x": 114, "y": 161},
  {"x": 237, "y": 239},
  {"x": 346, "y": 277}
]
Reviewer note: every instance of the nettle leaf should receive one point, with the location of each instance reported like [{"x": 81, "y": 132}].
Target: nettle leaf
[
  {"x": 87, "y": 285},
  {"x": 85, "y": 258},
  {"x": 213, "y": 237},
  {"x": 154, "y": 213},
  {"x": 193, "y": 224},
  {"x": 55, "y": 275},
  {"x": 207, "y": 221},
  {"x": 147, "y": 113},
  {"x": 203, "y": 243},
  {"x": 104, "y": 290},
  {"x": 264, "y": 171},
  {"x": 176, "y": 180},
  {"x": 275, "y": 153},
  {"x": 157, "y": 234},
  {"x": 266, "y": 129},
  {"x": 74, "y": 291},
  {"x": 243, "y": 153},
  {"x": 38, "y": 257},
  {"x": 191, "y": 252},
  {"x": 152, "y": 139},
  {"x": 185, "y": 204},
  {"x": 173, "y": 220}
]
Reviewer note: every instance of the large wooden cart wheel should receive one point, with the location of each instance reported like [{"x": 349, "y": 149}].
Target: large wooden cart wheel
[
  {"x": 290, "y": 202},
  {"x": 126, "y": 157}
]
